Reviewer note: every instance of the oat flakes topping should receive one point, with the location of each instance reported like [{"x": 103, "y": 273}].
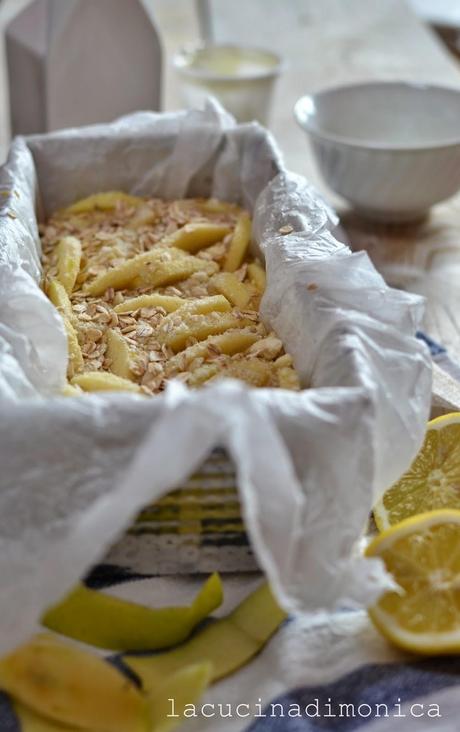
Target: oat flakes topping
[{"x": 139, "y": 346}]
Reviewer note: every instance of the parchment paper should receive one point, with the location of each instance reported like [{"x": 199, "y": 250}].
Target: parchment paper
[{"x": 75, "y": 471}]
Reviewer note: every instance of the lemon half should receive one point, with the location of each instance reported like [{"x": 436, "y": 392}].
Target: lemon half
[
  {"x": 433, "y": 480},
  {"x": 423, "y": 555}
]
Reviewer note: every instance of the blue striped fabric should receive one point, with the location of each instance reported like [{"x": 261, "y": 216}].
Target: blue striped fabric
[
  {"x": 347, "y": 703},
  {"x": 388, "y": 685},
  {"x": 441, "y": 356},
  {"x": 8, "y": 722}
]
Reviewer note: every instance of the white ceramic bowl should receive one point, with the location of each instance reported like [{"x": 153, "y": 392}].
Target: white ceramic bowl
[{"x": 392, "y": 149}]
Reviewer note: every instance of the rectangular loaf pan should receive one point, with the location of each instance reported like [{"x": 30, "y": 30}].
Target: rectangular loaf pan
[{"x": 309, "y": 465}]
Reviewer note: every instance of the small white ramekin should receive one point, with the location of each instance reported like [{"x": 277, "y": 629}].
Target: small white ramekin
[
  {"x": 246, "y": 92},
  {"x": 391, "y": 149}
]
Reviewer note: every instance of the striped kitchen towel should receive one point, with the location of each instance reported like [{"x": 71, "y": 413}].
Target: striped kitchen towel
[
  {"x": 441, "y": 356},
  {"x": 196, "y": 528},
  {"x": 321, "y": 673}
]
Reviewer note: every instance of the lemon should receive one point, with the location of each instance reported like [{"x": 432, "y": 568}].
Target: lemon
[
  {"x": 432, "y": 481},
  {"x": 422, "y": 554}
]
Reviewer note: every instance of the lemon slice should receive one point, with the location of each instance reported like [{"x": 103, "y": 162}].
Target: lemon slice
[
  {"x": 432, "y": 481},
  {"x": 423, "y": 555}
]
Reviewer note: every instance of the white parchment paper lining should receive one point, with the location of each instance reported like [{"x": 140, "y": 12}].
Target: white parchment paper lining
[{"x": 74, "y": 472}]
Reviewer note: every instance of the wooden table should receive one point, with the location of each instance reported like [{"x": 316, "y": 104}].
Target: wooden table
[{"x": 329, "y": 42}]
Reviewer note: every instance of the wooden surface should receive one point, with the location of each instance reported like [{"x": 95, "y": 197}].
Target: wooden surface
[{"x": 327, "y": 42}]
